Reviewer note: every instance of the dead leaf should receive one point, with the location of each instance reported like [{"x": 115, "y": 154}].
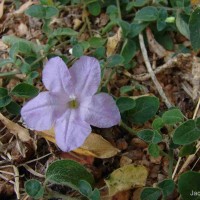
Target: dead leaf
[
  {"x": 3, "y": 46},
  {"x": 16, "y": 129},
  {"x": 1, "y": 8},
  {"x": 95, "y": 145},
  {"x": 113, "y": 42},
  {"x": 127, "y": 177},
  {"x": 195, "y": 2},
  {"x": 24, "y": 7}
]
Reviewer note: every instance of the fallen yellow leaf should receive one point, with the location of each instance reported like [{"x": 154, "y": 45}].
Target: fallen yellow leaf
[
  {"x": 16, "y": 129},
  {"x": 126, "y": 177},
  {"x": 112, "y": 43},
  {"x": 95, "y": 145}
]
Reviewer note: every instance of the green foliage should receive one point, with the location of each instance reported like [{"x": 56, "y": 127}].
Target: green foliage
[
  {"x": 13, "y": 108},
  {"x": 34, "y": 189},
  {"x": 147, "y": 14},
  {"x": 94, "y": 8},
  {"x": 146, "y": 108},
  {"x": 167, "y": 186},
  {"x": 194, "y": 26},
  {"x": 172, "y": 116},
  {"x": 5, "y": 99},
  {"x": 68, "y": 172},
  {"x": 128, "y": 50},
  {"x": 96, "y": 42},
  {"x": 188, "y": 185},
  {"x": 187, "y": 133},
  {"x": 150, "y": 194},
  {"x": 24, "y": 90},
  {"x": 150, "y": 136},
  {"x": 125, "y": 103},
  {"x": 77, "y": 50},
  {"x": 154, "y": 150},
  {"x": 42, "y": 12},
  {"x": 63, "y": 32},
  {"x": 86, "y": 190},
  {"x": 187, "y": 150},
  {"x": 115, "y": 60}
]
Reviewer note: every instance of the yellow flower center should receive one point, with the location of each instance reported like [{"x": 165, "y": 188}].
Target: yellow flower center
[{"x": 73, "y": 104}]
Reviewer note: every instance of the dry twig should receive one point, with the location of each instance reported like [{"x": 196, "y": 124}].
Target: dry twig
[{"x": 149, "y": 68}]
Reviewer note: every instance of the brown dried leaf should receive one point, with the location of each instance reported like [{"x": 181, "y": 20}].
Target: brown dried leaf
[
  {"x": 95, "y": 145},
  {"x": 126, "y": 177},
  {"x": 113, "y": 42},
  {"x": 1, "y": 8},
  {"x": 16, "y": 129}
]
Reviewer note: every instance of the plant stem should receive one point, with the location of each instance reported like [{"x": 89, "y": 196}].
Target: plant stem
[
  {"x": 119, "y": 10},
  {"x": 37, "y": 60},
  {"x": 126, "y": 127},
  {"x": 171, "y": 163},
  {"x": 9, "y": 73}
]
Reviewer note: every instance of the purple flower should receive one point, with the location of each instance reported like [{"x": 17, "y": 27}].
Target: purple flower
[{"x": 70, "y": 105}]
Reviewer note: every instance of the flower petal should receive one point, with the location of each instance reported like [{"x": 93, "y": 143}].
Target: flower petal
[
  {"x": 56, "y": 76},
  {"x": 101, "y": 111},
  {"x": 71, "y": 131},
  {"x": 86, "y": 75},
  {"x": 41, "y": 112}
]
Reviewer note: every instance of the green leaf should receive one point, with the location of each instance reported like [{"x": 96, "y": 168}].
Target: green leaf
[
  {"x": 50, "y": 11},
  {"x": 150, "y": 194},
  {"x": 136, "y": 28},
  {"x": 77, "y": 50},
  {"x": 172, "y": 116},
  {"x": 165, "y": 40},
  {"x": 94, "y": 8},
  {"x": 187, "y": 150},
  {"x": 125, "y": 27},
  {"x": 182, "y": 24},
  {"x": 154, "y": 150},
  {"x": 24, "y": 90},
  {"x": 34, "y": 189},
  {"x": 186, "y": 133},
  {"x": 125, "y": 89},
  {"x": 162, "y": 15},
  {"x": 112, "y": 11},
  {"x": 150, "y": 136},
  {"x": 194, "y": 26},
  {"x": 188, "y": 185},
  {"x": 11, "y": 40},
  {"x": 147, "y": 14},
  {"x": 129, "y": 50},
  {"x": 5, "y": 99},
  {"x": 63, "y": 32},
  {"x": 13, "y": 108},
  {"x": 125, "y": 103},
  {"x": 96, "y": 42},
  {"x": 167, "y": 186},
  {"x": 37, "y": 11},
  {"x": 84, "y": 188},
  {"x": 146, "y": 107},
  {"x": 95, "y": 195},
  {"x": 158, "y": 123},
  {"x": 42, "y": 12},
  {"x": 100, "y": 52},
  {"x": 68, "y": 172},
  {"x": 4, "y": 62},
  {"x": 115, "y": 60},
  {"x": 136, "y": 3}
]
